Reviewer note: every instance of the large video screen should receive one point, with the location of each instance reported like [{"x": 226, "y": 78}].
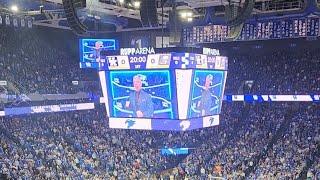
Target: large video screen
[
  {"x": 95, "y": 50},
  {"x": 206, "y": 93},
  {"x": 140, "y": 94}
]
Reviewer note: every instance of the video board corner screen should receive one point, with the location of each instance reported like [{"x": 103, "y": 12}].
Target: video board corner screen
[
  {"x": 206, "y": 93},
  {"x": 96, "y": 50},
  {"x": 140, "y": 94}
]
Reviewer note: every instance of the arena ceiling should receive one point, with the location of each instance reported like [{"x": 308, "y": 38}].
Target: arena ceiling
[{"x": 102, "y": 10}]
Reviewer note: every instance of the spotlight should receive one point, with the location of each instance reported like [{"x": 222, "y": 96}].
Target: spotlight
[
  {"x": 183, "y": 14},
  {"x": 186, "y": 15},
  {"x": 14, "y": 8},
  {"x": 189, "y": 14},
  {"x": 136, "y": 4}
]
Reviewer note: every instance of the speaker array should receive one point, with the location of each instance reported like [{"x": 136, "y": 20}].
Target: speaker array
[
  {"x": 236, "y": 16},
  {"x": 148, "y": 13},
  {"x": 70, "y": 8}
]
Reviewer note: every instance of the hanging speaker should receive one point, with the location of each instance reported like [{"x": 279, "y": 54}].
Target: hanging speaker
[
  {"x": 175, "y": 28},
  {"x": 236, "y": 15},
  {"x": 148, "y": 13},
  {"x": 70, "y": 9}
]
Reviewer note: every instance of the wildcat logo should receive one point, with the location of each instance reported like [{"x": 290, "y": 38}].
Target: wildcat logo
[
  {"x": 185, "y": 125},
  {"x": 130, "y": 123}
]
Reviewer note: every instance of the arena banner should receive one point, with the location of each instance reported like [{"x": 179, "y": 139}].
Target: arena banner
[{"x": 295, "y": 27}]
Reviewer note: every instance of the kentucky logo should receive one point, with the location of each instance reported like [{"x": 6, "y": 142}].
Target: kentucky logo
[
  {"x": 130, "y": 123},
  {"x": 113, "y": 61}
]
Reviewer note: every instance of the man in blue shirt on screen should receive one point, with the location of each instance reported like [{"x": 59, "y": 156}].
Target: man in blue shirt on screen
[
  {"x": 206, "y": 102},
  {"x": 98, "y": 46},
  {"x": 140, "y": 102}
]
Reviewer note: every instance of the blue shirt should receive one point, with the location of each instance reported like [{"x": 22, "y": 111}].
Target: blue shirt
[
  {"x": 141, "y": 101},
  {"x": 206, "y": 102}
]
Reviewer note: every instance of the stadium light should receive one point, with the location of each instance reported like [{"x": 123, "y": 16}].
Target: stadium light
[
  {"x": 183, "y": 14},
  {"x": 186, "y": 14},
  {"x": 14, "y": 8},
  {"x": 136, "y": 4},
  {"x": 189, "y": 14}
]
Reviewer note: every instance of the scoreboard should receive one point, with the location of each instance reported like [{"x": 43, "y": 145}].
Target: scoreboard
[
  {"x": 166, "y": 91},
  {"x": 258, "y": 30},
  {"x": 175, "y": 91},
  {"x": 159, "y": 61}
]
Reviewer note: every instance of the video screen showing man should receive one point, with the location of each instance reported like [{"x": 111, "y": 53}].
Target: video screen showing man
[
  {"x": 97, "y": 50},
  {"x": 207, "y": 93},
  {"x": 206, "y": 101},
  {"x": 94, "y": 50},
  {"x": 146, "y": 91},
  {"x": 140, "y": 102}
]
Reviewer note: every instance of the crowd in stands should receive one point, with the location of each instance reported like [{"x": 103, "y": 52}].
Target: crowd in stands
[
  {"x": 314, "y": 171},
  {"x": 80, "y": 145},
  {"x": 289, "y": 155},
  {"x": 33, "y": 65},
  {"x": 275, "y": 72},
  {"x": 253, "y": 141}
]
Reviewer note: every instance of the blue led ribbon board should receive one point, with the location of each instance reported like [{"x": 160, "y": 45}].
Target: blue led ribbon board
[{"x": 168, "y": 91}]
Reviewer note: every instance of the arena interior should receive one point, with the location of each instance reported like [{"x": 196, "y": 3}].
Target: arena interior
[{"x": 160, "y": 89}]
